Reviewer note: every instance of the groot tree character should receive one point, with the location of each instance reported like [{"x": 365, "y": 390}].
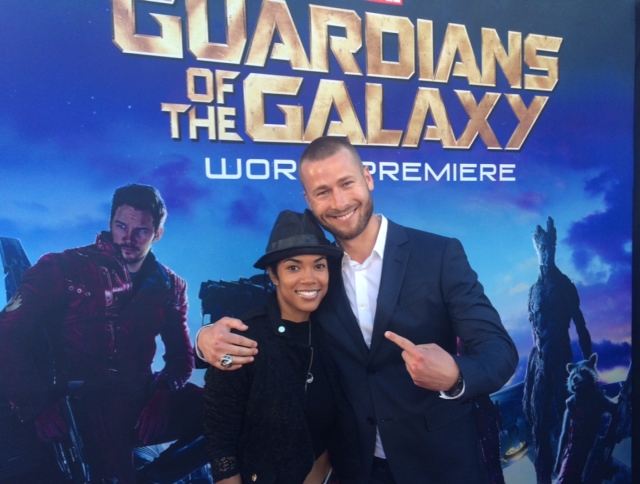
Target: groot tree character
[{"x": 553, "y": 304}]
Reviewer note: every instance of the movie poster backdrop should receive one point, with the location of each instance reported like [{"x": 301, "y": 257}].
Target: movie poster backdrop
[{"x": 505, "y": 124}]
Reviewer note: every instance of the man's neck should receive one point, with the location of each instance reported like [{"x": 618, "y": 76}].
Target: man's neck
[
  {"x": 361, "y": 247},
  {"x": 135, "y": 268}
]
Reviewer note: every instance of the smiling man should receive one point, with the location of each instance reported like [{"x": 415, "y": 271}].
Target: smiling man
[
  {"x": 92, "y": 314},
  {"x": 394, "y": 321}
]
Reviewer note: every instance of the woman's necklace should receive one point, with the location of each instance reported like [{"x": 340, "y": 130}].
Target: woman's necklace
[
  {"x": 297, "y": 335},
  {"x": 309, "y": 374}
]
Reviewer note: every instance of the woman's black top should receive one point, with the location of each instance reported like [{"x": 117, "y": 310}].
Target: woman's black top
[
  {"x": 320, "y": 408},
  {"x": 264, "y": 421}
]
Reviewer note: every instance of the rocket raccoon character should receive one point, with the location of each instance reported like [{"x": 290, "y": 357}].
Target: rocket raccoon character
[{"x": 583, "y": 418}]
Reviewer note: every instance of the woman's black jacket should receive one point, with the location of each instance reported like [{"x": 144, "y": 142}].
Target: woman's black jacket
[{"x": 254, "y": 417}]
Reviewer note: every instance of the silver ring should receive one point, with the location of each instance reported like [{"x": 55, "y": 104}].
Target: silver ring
[{"x": 226, "y": 361}]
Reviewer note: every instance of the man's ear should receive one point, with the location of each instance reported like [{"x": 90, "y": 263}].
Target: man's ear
[
  {"x": 368, "y": 178},
  {"x": 158, "y": 235},
  {"x": 306, "y": 197}
]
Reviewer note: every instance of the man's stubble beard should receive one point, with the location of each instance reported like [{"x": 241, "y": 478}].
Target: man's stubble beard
[
  {"x": 131, "y": 259},
  {"x": 363, "y": 221}
]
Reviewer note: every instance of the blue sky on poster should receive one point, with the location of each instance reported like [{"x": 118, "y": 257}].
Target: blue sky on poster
[{"x": 79, "y": 118}]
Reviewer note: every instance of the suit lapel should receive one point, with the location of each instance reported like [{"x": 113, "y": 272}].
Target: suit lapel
[
  {"x": 393, "y": 269},
  {"x": 343, "y": 313}
]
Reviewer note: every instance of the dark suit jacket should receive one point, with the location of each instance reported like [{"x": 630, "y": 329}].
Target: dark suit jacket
[{"x": 428, "y": 294}]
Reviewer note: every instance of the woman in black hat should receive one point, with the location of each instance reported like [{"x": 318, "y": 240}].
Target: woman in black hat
[{"x": 283, "y": 419}]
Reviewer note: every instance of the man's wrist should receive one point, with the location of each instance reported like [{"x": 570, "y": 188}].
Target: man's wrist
[
  {"x": 457, "y": 386},
  {"x": 195, "y": 344},
  {"x": 456, "y": 390}
]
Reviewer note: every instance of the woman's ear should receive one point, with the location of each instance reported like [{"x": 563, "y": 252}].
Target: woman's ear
[{"x": 272, "y": 275}]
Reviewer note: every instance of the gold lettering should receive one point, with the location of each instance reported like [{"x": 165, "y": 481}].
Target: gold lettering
[
  {"x": 275, "y": 14},
  {"x": 375, "y": 134},
  {"x": 376, "y": 26},
  {"x": 456, "y": 40},
  {"x": 221, "y": 86},
  {"x": 255, "y": 87},
  {"x": 429, "y": 99},
  {"x": 236, "y": 21},
  {"x": 208, "y": 122},
  {"x": 168, "y": 44},
  {"x": 425, "y": 49},
  {"x": 511, "y": 63},
  {"x": 174, "y": 111},
  {"x": 334, "y": 94},
  {"x": 225, "y": 124},
  {"x": 532, "y": 44},
  {"x": 343, "y": 48},
  {"x": 526, "y": 117},
  {"x": 478, "y": 125},
  {"x": 207, "y": 75}
]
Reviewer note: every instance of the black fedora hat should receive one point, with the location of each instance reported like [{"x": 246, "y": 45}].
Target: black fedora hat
[{"x": 295, "y": 234}]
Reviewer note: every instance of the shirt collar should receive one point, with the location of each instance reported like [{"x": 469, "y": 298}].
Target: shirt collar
[
  {"x": 381, "y": 240},
  {"x": 378, "y": 247}
]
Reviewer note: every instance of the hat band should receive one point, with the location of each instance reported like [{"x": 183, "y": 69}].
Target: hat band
[{"x": 297, "y": 241}]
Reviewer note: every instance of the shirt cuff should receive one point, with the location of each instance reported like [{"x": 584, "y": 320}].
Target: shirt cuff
[{"x": 456, "y": 392}]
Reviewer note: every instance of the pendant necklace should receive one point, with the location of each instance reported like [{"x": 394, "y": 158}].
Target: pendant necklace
[{"x": 309, "y": 374}]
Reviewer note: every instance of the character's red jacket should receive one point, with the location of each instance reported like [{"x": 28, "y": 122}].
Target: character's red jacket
[{"x": 77, "y": 316}]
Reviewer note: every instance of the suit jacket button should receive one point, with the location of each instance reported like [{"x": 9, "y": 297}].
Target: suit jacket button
[{"x": 254, "y": 477}]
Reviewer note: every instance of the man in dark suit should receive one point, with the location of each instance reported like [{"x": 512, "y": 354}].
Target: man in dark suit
[{"x": 412, "y": 332}]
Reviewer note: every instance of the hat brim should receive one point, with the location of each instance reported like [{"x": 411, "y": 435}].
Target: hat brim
[{"x": 278, "y": 255}]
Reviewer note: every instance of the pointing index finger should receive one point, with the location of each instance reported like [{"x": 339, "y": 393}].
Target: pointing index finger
[{"x": 402, "y": 342}]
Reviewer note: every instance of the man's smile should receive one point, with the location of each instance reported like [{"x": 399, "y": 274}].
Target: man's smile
[{"x": 346, "y": 216}]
